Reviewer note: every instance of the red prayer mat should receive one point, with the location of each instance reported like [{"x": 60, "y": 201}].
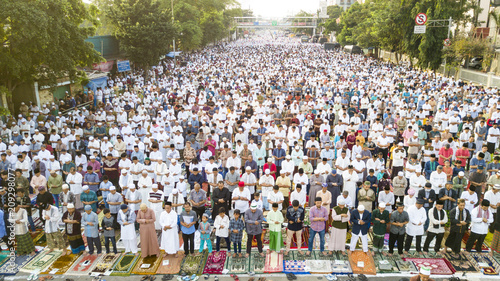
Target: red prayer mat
[
  {"x": 215, "y": 263},
  {"x": 437, "y": 266},
  {"x": 274, "y": 263}
]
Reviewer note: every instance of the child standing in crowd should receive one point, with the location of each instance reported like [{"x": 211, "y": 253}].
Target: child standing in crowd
[
  {"x": 221, "y": 226},
  {"x": 205, "y": 229},
  {"x": 236, "y": 226},
  {"x": 107, "y": 224},
  {"x": 275, "y": 219},
  {"x": 257, "y": 199}
]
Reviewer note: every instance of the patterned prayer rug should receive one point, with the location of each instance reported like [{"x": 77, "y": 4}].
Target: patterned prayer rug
[
  {"x": 254, "y": 241},
  {"x": 460, "y": 262},
  {"x": 215, "y": 263},
  {"x": 404, "y": 266},
  {"x": 319, "y": 266},
  {"x": 385, "y": 264},
  {"x": 170, "y": 265},
  {"x": 41, "y": 261},
  {"x": 62, "y": 264},
  {"x": 484, "y": 248},
  {"x": 194, "y": 264},
  {"x": 483, "y": 262},
  {"x": 12, "y": 267},
  {"x": 317, "y": 255},
  {"x": 147, "y": 265},
  {"x": 362, "y": 263},
  {"x": 290, "y": 256},
  {"x": 341, "y": 264},
  {"x": 3, "y": 258},
  {"x": 274, "y": 263},
  {"x": 305, "y": 239},
  {"x": 295, "y": 267},
  {"x": 124, "y": 265},
  {"x": 106, "y": 263},
  {"x": 302, "y": 257},
  {"x": 257, "y": 263},
  {"x": 84, "y": 265},
  {"x": 437, "y": 266},
  {"x": 40, "y": 240},
  {"x": 237, "y": 265}
]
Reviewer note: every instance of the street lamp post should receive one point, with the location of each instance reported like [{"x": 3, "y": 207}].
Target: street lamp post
[{"x": 173, "y": 41}]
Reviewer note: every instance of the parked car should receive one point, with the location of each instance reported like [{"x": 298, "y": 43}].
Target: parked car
[
  {"x": 304, "y": 39},
  {"x": 476, "y": 62},
  {"x": 322, "y": 40}
]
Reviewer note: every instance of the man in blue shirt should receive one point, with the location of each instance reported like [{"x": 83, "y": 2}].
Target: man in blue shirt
[
  {"x": 92, "y": 180},
  {"x": 279, "y": 154},
  {"x": 138, "y": 154},
  {"x": 90, "y": 222},
  {"x": 89, "y": 198},
  {"x": 188, "y": 219}
]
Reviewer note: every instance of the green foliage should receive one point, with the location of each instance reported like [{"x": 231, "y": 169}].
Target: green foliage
[
  {"x": 334, "y": 12},
  {"x": 302, "y": 30},
  {"x": 44, "y": 40},
  {"x": 143, "y": 29}
]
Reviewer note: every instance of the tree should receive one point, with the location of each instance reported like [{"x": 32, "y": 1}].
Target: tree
[
  {"x": 143, "y": 29},
  {"x": 186, "y": 15},
  {"x": 334, "y": 12},
  {"x": 42, "y": 41},
  {"x": 350, "y": 21}
]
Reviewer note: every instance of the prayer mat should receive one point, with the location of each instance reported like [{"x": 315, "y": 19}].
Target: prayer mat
[
  {"x": 484, "y": 248},
  {"x": 106, "y": 263},
  {"x": 41, "y": 261},
  {"x": 302, "y": 257},
  {"x": 237, "y": 265},
  {"x": 319, "y": 266},
  {"x": 274, "y": 263},
  {"x": 4, "y": 257},
  {"x": 215, "y": 263},
  {"x": 40, "y": 240},
  {"x": 257, "y": 263},
  {"x": 317, "y": 255},
  {"x": 341, "y": 264},
  {"x": 170, "y": 265},
  {"x": 35, "y": 234},
  {"x": 124, "y": 265},
  {"x": 460, "y": 262},
  {"x": 147, "y": 265},
  {"x": 437, "y": 266},
  {"x": 295, "y": 267},
  {"x": 484, "y": 263},
  {"x": 406, "y": 266},
  {"x": 385, "y": 264},
  {"x": 194, "y": 264},
  {"x": 84, "y": 265},
  {"x": 488, "y": 239},
  {"x": 13, "y": 267},
  {"x": 362, "y": 263},
  {"x": 305, "y": 239},
  {"x": 62, "y": 264},
  {"x": 289, "y": 257},
  {"x": 244, "y": 239}
]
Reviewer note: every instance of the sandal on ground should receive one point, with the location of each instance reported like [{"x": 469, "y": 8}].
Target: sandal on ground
[{"x": 216, "y": 278}]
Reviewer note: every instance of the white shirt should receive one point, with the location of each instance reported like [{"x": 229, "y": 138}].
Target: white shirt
[
  {"x": 241, "y": 205},
  {"x": 470, "y": 200},
  {"x": 75, "y": 187},
  {"x": 275, "y": 197},
  {"x": 438, "y": 180},
  {"x": 224, "y": 222},
  {"x": 417, "y": 216},
  {"x": 493, "y": 198},
  {"x": 477, "y": 224},
  {"x": 433, "y": 221},
  {"x": 301, "y": 197}
]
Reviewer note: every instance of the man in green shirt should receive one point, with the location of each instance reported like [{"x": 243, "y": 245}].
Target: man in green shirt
[
  {"x": 22, "y": 182},
  {"x": 89, "y": 197},
  {"x": 55, "y": 183}
]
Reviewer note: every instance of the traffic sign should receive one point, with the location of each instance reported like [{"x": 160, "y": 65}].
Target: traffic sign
[
  {"x": 421, "y": 19},
  {"x": 419, "y": 29},
  {"x": 123, "y": 66},
  {"x": 447, "y": 42}
]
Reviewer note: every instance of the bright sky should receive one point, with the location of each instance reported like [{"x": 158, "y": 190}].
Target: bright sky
[{"x": 279, "y": 8}]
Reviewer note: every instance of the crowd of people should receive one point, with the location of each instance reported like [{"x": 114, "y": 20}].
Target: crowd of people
[{"x": 262, "y": 133}]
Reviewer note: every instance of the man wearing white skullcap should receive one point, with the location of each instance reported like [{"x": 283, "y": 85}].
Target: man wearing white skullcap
[
  {"x": 399, "y": 184},
  {"x": 266, "y": 183},
  {"x": 424, "y": 275},
  {"x": 360, "y": 219},
  {"x": 176, "y": 199},
  {"x": 72, "y": 220},
  {"x": 155, "y": 203}
]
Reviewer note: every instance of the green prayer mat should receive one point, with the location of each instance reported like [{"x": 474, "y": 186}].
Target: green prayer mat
[
  {"x": 257, "y": 262},
  {"x": 41, "y": 261},
  {"x": 62, "y": 264},
  {"x": 194, "y": 264},
  {"x": 290, "y": 256},
  {"x": 237, "y": 265},
  {"x": 317, "y": 255},
  {"x": 385, "y": 264},
  {"x": 303, "y": 257},
  {"x": 125, "y": 264}
]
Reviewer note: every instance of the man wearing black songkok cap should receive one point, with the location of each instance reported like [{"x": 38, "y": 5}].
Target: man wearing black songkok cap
[{"x": 481, "y": 218}]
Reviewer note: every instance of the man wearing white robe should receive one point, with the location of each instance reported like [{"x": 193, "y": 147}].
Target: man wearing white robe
[
  {"x": 170, "y": 232},
  {"x": 126, "y": 218},
  {"x": 350, "y": 178},
  {"x": 415, "y": 227},
  {"x": 144, "y": 187}
]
